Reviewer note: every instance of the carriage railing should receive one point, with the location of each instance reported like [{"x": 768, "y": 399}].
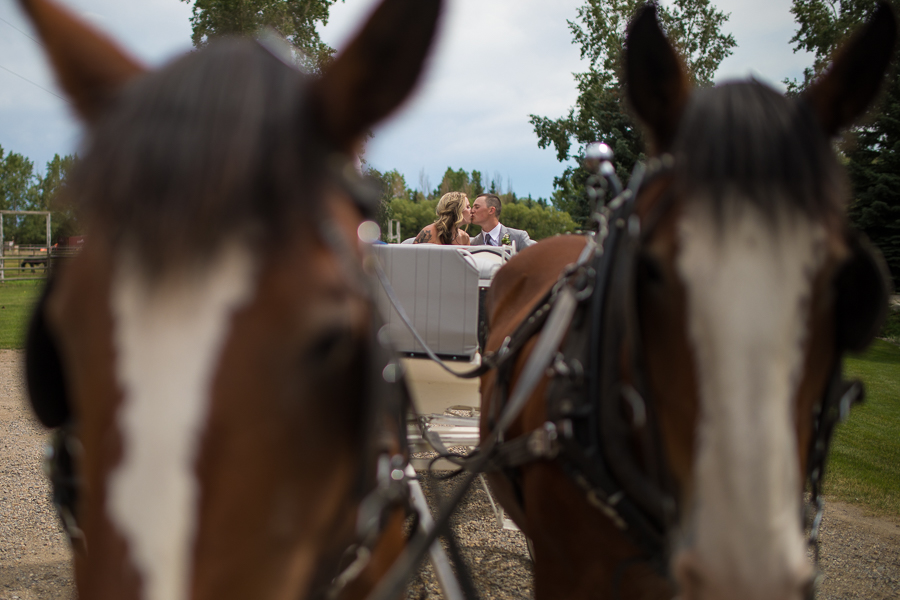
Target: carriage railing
[{"x": 441, "y": 290}]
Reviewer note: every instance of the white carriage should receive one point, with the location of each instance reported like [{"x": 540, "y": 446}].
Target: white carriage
[{"x": 441, "y": 289}]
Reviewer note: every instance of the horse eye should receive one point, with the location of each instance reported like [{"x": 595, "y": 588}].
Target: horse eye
[{"x": 331, "y": 345}]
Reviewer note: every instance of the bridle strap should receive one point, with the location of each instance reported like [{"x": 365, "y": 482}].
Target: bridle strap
[{"x": 545, "y": 350}]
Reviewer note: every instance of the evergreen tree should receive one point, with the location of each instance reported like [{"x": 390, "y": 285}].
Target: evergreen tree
[
  {"x": 695, "y": 28},
  {"x": 872, "y": 150},
  {"x": 295, "y": 20}
]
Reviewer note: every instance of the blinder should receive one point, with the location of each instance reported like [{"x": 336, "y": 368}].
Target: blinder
[
  {"x": 608, "y": 441},
  {"x": 49, "y": 399},
  {"x": 43, "y": 368},
  {"x": 861, "y": 286}
]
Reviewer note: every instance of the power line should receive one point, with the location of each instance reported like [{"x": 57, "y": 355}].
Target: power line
[
  {"x": 34, "y": 84},
  {"x": 22, "y": 32},
  {"x": 25, "y": 78}
]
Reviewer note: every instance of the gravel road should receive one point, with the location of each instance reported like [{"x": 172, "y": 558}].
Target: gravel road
[{"x": 860, "y": 554}]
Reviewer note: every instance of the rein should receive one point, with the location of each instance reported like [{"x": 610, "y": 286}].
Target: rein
[
  {"x": 552, "y": 319},
  {"x": 587, "y": 429}
]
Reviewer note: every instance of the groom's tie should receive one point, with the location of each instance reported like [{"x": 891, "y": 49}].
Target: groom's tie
[{"x": 488, "y": 239}]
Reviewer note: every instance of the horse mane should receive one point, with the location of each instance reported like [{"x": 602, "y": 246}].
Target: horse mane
[
  {"x": 205, "y": 150},
  {"x": 747, "y": 138}
]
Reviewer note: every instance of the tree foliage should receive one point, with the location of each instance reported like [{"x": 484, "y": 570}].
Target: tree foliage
[
  {"x": 460, "y": 181},
  {"x": 872, "y": 151},
  {"x": 415, "y": 209},
  {"x": 22, "y": 188},
  {"x": 821, "y": 27},
  {"x": 600, "y": 113},
  {"x": 537, "y": 218},
  {"x": 295, "y": 20}
]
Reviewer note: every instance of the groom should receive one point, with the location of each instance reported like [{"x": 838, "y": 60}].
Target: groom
[{"x": 486, "y": 213}]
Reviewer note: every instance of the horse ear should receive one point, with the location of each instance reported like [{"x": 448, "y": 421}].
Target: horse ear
[
  {"x": 852, "y": 82},
  {"x": 657, "y": 84},
  {"x": 89, "y": 66},
  {"x": 377, "y": 71}
]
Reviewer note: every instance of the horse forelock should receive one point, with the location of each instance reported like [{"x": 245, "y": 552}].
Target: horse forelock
[
  {"x": 168, "y": 336},
  {"x": 746, "y": 141},
  {"x": 213, "y": 147}
]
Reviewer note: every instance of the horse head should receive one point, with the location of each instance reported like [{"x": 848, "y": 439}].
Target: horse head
[
  {"x": 749, "y": 288},
  {"x": 668, "y": 438},
  {"x": 211, "y": 344}
]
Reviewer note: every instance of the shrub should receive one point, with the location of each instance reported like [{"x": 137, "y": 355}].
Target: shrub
[
  {"x": 538, "y": 220},
  {"x": 891, "y": 329}
]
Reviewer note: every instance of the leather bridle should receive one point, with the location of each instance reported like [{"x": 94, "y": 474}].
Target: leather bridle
[{"x": 598, "y": 423}]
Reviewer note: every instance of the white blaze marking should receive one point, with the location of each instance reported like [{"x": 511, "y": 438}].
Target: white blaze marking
[
  {"x": 748, "y": 291},
  {"x": 168, "y": 340}
]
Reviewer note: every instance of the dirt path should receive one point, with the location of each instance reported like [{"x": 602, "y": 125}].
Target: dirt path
[
  {"x": 35, "y": 561},
  {"x": 860, "y": 554}
]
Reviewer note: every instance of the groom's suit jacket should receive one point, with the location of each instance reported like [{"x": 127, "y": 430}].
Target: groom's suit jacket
[{"x": 520, "y": 237}]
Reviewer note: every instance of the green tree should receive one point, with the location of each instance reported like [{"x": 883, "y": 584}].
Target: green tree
[
  {"x": 413, "y": 216},
  {"x": 18, "y": 189},
  {"x": 23, "y": 189},
  {"x": 393, "y": 185},
  {"x": 49, "y": 196},
  {"x": 460, "y": 181},
  {"x": 600, "y": 114},
  {"x": 539, "y": 220},
  {"x": 295, "y": 20},
  {"x": 821, "y": 27},
  {"x": 872, "y": 151}
]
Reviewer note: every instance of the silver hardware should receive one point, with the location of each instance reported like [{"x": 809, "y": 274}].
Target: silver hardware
[
  {"x": 634, "y": 226},
  {"x": 504, "y": 347},
  {"x": 598, "y": 151},
  {"x": 607, "y": 509},
  {"x": 384, "y": 336},
  {"x": 392, "y": 373},
  {"x": 542, "y": 442},
  {"x": 637, "y": 405}
]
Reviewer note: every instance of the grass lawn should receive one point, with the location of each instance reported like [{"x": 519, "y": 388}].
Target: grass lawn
[
  {"x": 16, "y": 302},
  {"x": 864, "y": 467}
]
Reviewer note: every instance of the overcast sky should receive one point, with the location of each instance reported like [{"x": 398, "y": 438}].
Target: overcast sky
[{"x": 496, "y": 62}]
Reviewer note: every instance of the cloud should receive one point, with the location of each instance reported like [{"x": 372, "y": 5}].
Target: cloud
[{"x": 494, "y": 64}]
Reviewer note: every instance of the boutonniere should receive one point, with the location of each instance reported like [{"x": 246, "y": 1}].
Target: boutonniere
[{"x": 505, "y": 241}]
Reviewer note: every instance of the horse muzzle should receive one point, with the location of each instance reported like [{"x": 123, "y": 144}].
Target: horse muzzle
[{"x": 700, "y": 579}]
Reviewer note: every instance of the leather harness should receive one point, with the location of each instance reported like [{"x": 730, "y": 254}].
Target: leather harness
[{"x": 597, "y": 423}]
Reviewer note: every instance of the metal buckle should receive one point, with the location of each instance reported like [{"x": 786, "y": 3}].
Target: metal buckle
[{"x": 542, "y": 443}]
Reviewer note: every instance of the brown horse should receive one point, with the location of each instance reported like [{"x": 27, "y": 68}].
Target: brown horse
[
  {"x": 684, "y": 433},
  {"x": 212, "y": 346}
]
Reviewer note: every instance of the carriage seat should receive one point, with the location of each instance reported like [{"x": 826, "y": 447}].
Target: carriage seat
[{"x": 439, "y": 287}]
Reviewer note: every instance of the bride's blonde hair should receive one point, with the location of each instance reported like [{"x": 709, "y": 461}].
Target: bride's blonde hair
[{"x": 449, "y": 216}]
